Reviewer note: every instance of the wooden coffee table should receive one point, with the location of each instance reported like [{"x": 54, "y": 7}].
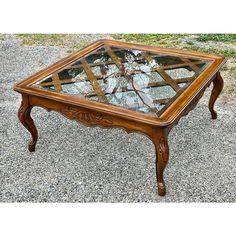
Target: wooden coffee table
[{"x": 112, "y": 84}]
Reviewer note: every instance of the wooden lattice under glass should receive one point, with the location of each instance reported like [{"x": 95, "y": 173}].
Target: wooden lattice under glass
[{"x": 142, "y": 81}]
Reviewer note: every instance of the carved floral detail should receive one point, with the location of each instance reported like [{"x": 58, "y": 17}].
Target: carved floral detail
[
  {"x": 89, "y": 118},
  {"x": 162, "y": 150}
]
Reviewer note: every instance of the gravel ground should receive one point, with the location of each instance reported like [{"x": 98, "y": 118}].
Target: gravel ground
[{"x": 74, "y": 163}]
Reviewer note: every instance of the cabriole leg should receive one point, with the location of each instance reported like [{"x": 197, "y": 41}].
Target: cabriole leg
[
  {"x": 162, "y": 157},
  {"x": 27, "y": 121},
  {"x": 218, "y": 84}
]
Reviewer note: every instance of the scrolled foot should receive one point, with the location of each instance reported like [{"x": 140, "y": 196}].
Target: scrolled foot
[
  {"x": 161, "y": 189},
  {"x": 218, "y": 85},
  {"x": 31, "y": 146},
  {"x": 213, "y": 115}
]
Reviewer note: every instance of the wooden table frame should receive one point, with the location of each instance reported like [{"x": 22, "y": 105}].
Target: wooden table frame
[{"x": 106, "y": 116}]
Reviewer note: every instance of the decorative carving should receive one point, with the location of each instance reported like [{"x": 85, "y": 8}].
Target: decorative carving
[
  {"x": 162, "y": 150},
  {"x": 105, "y": 123},
  {"x": 27, "y": 121},
  {"x": 89, "y": 118},
  {"x": 162, "y": 156}
]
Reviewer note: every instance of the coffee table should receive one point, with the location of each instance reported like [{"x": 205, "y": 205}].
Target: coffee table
[{"x": 112, "y": 84}]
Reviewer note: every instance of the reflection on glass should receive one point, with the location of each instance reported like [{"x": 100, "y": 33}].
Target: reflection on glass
[
  {"x": 142, "y": 81},
  {"x": 180, "y": 73},
  {"x": 83, "y": 87}
]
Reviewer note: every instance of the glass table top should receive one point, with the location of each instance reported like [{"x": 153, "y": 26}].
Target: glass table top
[{"x": 143, "y": 81}]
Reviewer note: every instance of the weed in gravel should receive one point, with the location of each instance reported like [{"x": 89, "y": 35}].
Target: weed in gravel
[
  {"x": 231, "y": 38},
  {"x": 151, "y": 39},
  {"x": 41, "y": 39},
  {"x": 69, "y": 41},
  {"x": 225, "y": 52}
]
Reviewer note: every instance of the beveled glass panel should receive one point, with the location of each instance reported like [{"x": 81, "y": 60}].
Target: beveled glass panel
[{"x": 143, "y": 81}]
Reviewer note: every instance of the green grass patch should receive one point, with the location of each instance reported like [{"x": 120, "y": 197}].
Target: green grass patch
[
  {"x": 174, "y": 40},
  {"x": 231, "y": 38},
  {"x": 224, "y": 52},
  {"x": 69, "y": 41},
  {"x": 151, "y": 39},
  {"x": 41, "y": 39}
]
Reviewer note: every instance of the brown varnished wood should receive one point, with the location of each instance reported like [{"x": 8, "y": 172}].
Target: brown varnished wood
[
  {"x": 218, "y": 84},
  {"x": 27, "y": 121},
  {"x": 56, "y": 82},
  {"x": 160, "y": 140},
  {"x": 90, "y": 117},
  {"x": 169, "y": 81},
  {"x": 167, "y": 51},
  {"x": 167, "y": 117},
  {"x": 93, "y": 114}
]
